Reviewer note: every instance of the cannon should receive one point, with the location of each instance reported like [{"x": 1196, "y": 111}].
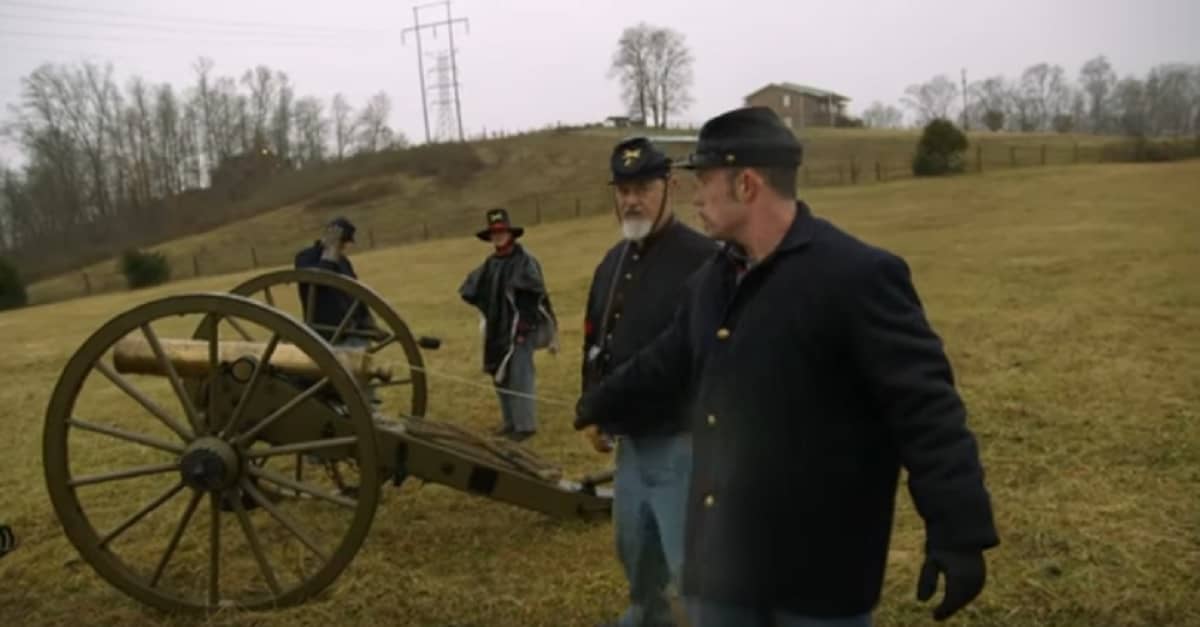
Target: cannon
[{"x": 254, "y": 443}]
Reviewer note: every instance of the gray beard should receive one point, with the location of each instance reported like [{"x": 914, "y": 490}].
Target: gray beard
[{"x": 636, "y": 228}]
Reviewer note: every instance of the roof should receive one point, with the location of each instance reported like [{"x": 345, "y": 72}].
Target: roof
[{"x": 800, "y": 89}]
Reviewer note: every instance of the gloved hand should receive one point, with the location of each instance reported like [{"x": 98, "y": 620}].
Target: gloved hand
[
  {"x": 582, "y": 419},
  {"x": 965, "y": 573}
]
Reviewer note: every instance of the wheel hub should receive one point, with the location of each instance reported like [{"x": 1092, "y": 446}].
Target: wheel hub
[{"x": 210, "y": 464}]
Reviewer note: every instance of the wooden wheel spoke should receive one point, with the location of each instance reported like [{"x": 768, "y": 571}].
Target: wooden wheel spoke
[
  {"x": 302, "y": 447},
  {"x": 140, "y": 514},
  {"x": 239, "y": 412},
  {"x": 283, "y": 519},
  {"x": 270, "y": 298},
  {"x": 140, "y": 471},
  {"x": 341, "y": 328},
  {"x": 214, "y": 550},
  {"x": 214, "y": 371},
  {"x": 241, "y": 330},
  {"x": 128, "y": 436},
  {"x": 384, "y": 343},
  {"x": 295, "y": 402},
  {"x": 175, "y": 537},
  {"x": 255, "y": 547},
  {"x": 176, "y": 384},
  {"x": 143, "y": 400},
  {"x": 274, "y": 477}
]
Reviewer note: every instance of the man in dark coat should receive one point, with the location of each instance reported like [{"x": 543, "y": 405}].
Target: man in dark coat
[
  {"x": 509, "y": 290},
  {"x": 813, "y": 375},
  {"x": 634, "y": 291},
  {"x": 331, "y": 305}
]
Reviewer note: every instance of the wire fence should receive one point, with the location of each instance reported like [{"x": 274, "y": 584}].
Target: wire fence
[{"x": 542, "y": 208}]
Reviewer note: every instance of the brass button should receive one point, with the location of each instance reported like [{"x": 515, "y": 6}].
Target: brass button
[
  {"x": 636, "y": 257},
  {"x": 712, "y": 420},
  {"x": 617, "y": 315},
  {"x": 722, "y": 334},
  {"x": 709, "y": 501},
  {"x": 628, "y": 275}
]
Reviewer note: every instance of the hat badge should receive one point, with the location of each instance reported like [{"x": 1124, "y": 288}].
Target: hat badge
[
  {"x": 631, "y": 155},
  {"x": 496, "y": 216}
]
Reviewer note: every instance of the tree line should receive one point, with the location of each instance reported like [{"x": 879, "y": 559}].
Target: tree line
[
  {"x": 101, "y": 159},
  {"x": 1044, "y": 98}
]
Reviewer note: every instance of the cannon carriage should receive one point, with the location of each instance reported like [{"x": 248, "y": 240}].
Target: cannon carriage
[{"x": 250, "y": 474}]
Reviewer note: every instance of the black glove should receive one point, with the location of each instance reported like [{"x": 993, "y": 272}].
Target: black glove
[
  {"x": 965, "y": 573},
  {"x": 582, "y": 419}
]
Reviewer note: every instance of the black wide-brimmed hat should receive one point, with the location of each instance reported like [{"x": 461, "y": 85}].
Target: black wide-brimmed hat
[
  {"x": 498, "y": 220},
  {"x": 637, "y": 158},
  {"x": 749, "y": 136}
]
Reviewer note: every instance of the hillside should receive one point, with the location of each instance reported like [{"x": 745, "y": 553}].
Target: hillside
[
  {"x": 1065, "y": 297},
  {"x": 442, "y": 191}
]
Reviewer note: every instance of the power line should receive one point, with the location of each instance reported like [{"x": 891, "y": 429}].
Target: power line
[
  {"x": 174, "y": 41},
  {"x": 186, "y": 20},
  {"x": 159, "y": 27}
]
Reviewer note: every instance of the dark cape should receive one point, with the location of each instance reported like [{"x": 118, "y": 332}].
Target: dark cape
[{"x": 510, "y": 293}]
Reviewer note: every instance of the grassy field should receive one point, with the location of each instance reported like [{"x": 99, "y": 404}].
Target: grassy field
[
  {"x": 1066, "y": 297},
  {"x": 545, "y": 176}
]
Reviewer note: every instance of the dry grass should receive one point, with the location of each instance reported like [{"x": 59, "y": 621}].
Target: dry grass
[{"x": 1066, "y": 297}]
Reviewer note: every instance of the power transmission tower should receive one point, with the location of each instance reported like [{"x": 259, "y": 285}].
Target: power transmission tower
[
  {"x": 445, "y": 103},
  {"x": 416, "y": 28}
]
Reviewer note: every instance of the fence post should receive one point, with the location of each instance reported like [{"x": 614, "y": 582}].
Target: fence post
[
  {"x": 979, "y": 157},
  {"x": 87, "y": 284},
  {"x": 804, "y": 171},
  {"x": 425, "y": 229},
  {"x": 1076, "y": 154},
  {"x": 1043, "y": 154},
  {"x": 841, "y": 174},
  {"x": 195, "y": 265},
  {"x": 1012, "y": 155},
  {"x": 854, "y": 170},
  {"x": 253, "y": 257},
  {"x": 577, "y": 207},
  {"x": 878, "y": 172},
  {"x": 371, "y": 238}
]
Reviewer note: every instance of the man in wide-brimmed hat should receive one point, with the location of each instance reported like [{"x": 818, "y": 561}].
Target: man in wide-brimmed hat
[
  {"x": 509, "y": 290},
  {"x": 812, "y": 376}
]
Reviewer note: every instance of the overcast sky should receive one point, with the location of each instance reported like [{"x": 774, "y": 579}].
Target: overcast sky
[{"x": 525, "y": 63}]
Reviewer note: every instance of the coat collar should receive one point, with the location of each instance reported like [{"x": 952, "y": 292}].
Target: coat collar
[{"x": 799, "y": 233}]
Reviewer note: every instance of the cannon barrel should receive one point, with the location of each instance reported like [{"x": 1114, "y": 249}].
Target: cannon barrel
[{"x": 190, "y": 358}]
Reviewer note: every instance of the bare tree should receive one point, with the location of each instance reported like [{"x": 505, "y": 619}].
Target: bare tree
[
  {"x": 1098, "y": 80},
  {"x": 1129, "y": 106},
  {"x": 1170, "y": 99},
  {"x": 669, "y": 73},
  {"x": 631, "y": 64},
  {"x": 374, "y": 132},
  {"x": 310, "y": 128},
  {"x": 345, "y": 126},
  {"x": 932, "y": 100},
  {"x": 879, "y": 115}
]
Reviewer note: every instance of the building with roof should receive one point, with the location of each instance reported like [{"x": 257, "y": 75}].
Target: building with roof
[{"x": 800, "y": 106}]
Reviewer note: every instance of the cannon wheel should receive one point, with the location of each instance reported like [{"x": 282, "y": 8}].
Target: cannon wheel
[
  {"x": 275, "y": 285},
  {"x": 198, "y": 439}
]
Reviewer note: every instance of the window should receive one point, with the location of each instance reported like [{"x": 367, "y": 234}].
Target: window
[
  {"x": 787, "y": 119},
  {"x": 787, "y": 100}
]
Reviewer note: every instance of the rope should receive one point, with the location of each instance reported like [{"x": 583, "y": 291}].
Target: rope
[{"x": 491, "y": 388}]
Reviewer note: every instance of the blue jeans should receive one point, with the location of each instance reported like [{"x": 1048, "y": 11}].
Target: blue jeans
[
  {"x": 519, "y": 412},
  {"x": 703, "y": 613},
  {"x": 649, "y": 508}
]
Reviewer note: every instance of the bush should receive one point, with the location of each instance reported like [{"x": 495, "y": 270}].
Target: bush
[
  {"x": 994, "y": 120},
  {"x": 12, "y": 288},
  {"x": 144, "y": 269},
  {"x": 940, "y": 150}
]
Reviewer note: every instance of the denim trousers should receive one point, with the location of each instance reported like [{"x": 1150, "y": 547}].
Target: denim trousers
[
  {"x": 703, "y": 613},
  {"x": 519, "y": 412},
  {"x": 649, "y": 507}
]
